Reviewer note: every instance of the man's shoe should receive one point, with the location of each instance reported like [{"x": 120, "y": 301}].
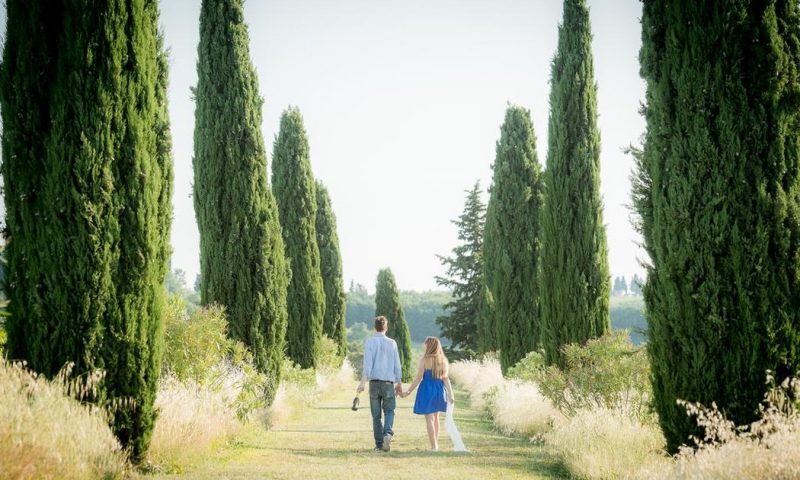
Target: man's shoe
[
  {"x": 377, "y": 449},
  {"x": 387, "y": 442}
]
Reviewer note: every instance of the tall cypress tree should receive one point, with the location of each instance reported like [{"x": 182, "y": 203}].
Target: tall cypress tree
[
  {"x": 516, "y": 197},
  {"x": 333, "y": 325},
  {"x": 465, "y": 276},
  {"x": 575, "y": 280},
  {"x": 88, "y": 180},
  {"x": 718, "y": 193},
  {"x": 297, "y": 204},
  {"x": 487, "y": 319},
  {"x": 387, "y": 304},
  {"x": 242, "y": 262}
]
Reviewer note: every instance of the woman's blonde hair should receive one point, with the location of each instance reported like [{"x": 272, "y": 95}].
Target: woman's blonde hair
[{"x": 434, "y": 358}]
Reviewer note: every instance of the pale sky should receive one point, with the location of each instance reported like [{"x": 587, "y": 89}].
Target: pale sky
[{"x": 403, "y": 103}]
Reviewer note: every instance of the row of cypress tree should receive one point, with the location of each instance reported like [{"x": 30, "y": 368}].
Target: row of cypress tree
[
  {"x": 87, "y": 173},
  {"x": 544, "y": 253},
  {"x": 270, "y": 256}
]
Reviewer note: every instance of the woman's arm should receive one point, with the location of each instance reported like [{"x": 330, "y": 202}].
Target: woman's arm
[
  {"x": 449, "y": 388},
  {"x": 417, "y": 379}
]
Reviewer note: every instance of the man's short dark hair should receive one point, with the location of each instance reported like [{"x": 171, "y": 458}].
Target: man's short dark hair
[{"x": 380, "y": 323}]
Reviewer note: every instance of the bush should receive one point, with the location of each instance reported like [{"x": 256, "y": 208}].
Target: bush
[
  {"x": 607, "y": 373},
  {"x": 198, "y": 351},
  {"x": 44, "y": 433}
]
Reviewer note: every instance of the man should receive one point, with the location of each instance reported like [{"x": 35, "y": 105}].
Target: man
[{"x": 382, "y": 370}]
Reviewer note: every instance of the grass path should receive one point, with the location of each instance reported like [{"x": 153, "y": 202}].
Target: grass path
[{"x": 332, "y": 442}]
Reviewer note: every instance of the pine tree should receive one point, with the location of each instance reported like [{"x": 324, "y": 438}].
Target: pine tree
[
  {"x": 718, "y": 194},
  {"x": 487, "y": 319},
  {"x": 465, "y": 277},
  {"x": 242, "y": 263},
  {"x": 297, "y": 203},
  {"x": 88, "y": 178},
  {"x": 575, "y": 281},
  {"x": 387, "y": 304},
  {"x": 333, "y": 325},
  {"x": 516, "y": 197}
]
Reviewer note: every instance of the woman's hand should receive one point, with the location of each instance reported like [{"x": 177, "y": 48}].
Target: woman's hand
[{"x": 450, "y": 399}]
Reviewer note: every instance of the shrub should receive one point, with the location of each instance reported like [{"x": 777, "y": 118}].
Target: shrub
[
  {"x": 199, "y": 351},
  {"x": 46, "y": 434},
  {"x": 608, "y": 372}
]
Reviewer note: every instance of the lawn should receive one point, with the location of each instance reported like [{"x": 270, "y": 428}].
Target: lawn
[{"x": 333, "y": 442}]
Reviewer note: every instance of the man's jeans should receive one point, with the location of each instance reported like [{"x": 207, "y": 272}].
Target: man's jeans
[{"x": 381, "y": 397}]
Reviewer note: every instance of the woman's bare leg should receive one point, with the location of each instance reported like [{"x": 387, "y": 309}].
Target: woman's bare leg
[
  {"x": 436, "y": 428},
  {"x": 429, "y": 423}
]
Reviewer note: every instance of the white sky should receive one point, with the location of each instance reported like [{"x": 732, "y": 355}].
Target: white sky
[{"x": 403, "y": 103}]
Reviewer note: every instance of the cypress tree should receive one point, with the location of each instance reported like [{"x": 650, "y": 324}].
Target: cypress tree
[
  {"x": 465, "y": 277},
  {"x": 516, "y": 196},
  {"x": 387, "y": 304},
  {"x": 718, "y": 194},
  {"x": 242, "y": 262},
  {"x": 333, "y": 325},
  {"x": 575, "y": 280},
  {"x": 297, "y": 205},
  {"x": 487, "y": 322},
  {"x": 88, "y": 180}
]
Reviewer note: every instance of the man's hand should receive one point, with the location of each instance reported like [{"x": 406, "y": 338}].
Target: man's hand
[
  {"x": 360, "y": 387},
  {"x": 398, "y": 389}
]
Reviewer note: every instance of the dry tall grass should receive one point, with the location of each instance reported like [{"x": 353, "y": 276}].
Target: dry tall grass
[
  {"x": 193, "y": 420},
  {"x": 594, "y": 444},
  {"x": 603, "y": 444},
  {"x": 46, "y": 434}
]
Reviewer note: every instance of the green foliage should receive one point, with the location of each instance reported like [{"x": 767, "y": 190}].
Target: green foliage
[
  {"x": 242, "y": 260},
  {"x": 627, "y": 313},
  {"x": 297, "y": 205},
  {"x": 487, "y": 318},
  {"x": 333, "y": 325},
  {"x": 512, "y": 232},
  {"x": 387, "y": 303},
  {"x": 620, "y": 286},
  {"x": 465, "y": 277},
  {"x": 199, "y": 350},
  {"x": 87, "y": 175},
  {"x": 356, "y": 336},
  {"x": 608, "y": 372},
  {"x": 636, "y": 285},
  {"x": 717, "y": 190},
  {"x": 575, "y": 282},
  {"x": 420, "y": 309},
  {"x": 175, "y": 283}
]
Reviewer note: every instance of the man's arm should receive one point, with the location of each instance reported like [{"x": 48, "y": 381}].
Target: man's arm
[
  {"x": 369, "y": 357},
  {"x": 398, "y": 370}
]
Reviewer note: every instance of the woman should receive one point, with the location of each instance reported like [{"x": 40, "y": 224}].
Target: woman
[{"x": 435, "y": 391}]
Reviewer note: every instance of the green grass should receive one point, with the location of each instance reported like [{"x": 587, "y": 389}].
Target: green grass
[{"x": 332, "y": 442}]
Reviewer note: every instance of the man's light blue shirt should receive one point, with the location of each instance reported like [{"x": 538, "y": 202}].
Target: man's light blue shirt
[{"x": 382, "y": 359}]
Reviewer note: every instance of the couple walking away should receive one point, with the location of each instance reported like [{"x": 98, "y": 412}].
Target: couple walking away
[{"x": 382, "y": 370}]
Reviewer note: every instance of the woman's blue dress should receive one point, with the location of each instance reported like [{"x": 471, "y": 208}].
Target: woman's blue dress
[{"x": 431, "y": 396}]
